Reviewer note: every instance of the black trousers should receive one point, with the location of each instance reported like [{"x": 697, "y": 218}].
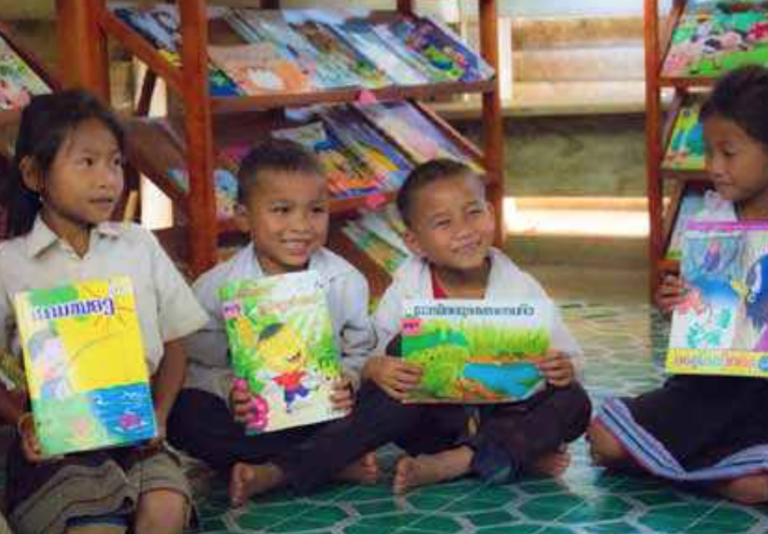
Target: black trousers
[
  {"x": 202, "y": 425},
  {"x": 511, "y": 437}
]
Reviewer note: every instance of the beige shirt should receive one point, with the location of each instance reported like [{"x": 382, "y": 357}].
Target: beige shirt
[{"x": 166, "y": 307}]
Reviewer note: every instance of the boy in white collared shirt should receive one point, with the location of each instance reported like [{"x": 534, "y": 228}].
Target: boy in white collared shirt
[
  {"x": 451, "y": 229},
  {"x": 284, "y": 198}
]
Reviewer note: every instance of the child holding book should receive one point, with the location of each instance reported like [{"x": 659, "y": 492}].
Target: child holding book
[
  {"x": 708, "y": 430},
  {"x": 283, "y": 197},
  {"x": 450, "y": 227},
  {"x": 67, "y": 181}
]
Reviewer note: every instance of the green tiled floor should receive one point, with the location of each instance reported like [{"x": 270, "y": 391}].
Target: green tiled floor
[{"x": 624, "y": 349}]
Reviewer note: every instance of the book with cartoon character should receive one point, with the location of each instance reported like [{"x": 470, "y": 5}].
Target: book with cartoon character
[
  {"x": 18, "y": 82},
  {"x": 720, "y": 329},
  {"x": 283, "y": 349},
  {"x": 709, "y": 44},
  {"x": 685, "y": 150},
  {"x": 85, "y": 368},
  {"x": 476, "y": 351}
]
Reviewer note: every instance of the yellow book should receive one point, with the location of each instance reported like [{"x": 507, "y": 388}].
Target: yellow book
[{"x": 85, "y": 367}]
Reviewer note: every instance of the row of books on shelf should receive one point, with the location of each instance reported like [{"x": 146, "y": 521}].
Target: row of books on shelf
[
  {"x": 297, "y": 51},
  {"x": 378, "y": 233},
  {"x": 364, "y": 149},
  {"x": 18, "y": 81},
  {"x": 713, "y": 37}
]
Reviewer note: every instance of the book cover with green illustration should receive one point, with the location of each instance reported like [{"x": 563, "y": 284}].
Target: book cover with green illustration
[
  {"x": 476, "y": 351},
  {"x": 85, "y": 367},
  {"x": 282, "y": 348}
]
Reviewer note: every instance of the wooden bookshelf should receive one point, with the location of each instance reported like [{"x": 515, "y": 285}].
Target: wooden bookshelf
[
  {"x": 208, "y": 121},
  {"x": 658, "y": 38}
]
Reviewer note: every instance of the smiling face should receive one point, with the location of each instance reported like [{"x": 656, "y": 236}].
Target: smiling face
[
  {"x": 737, "y": 164},
  {"x": 287, "y": 215},
  {"x": 451, "y": 223},
  {"x": 84, "y": 182}
]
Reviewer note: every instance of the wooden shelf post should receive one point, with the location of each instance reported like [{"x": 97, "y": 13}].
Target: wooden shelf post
[
  {"x": 82, "y": 46},
  {"x": 493, "y": 122},
  {"x": 203, "y": 223},
  {"x": 653, "y": 140}
]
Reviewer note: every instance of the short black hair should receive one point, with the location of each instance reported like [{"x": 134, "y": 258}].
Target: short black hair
[
  {"x": 46, "y": 123},
  {"x": 742, "y": 97},
  {"x": 425, "y": 174},
  {"x": 274, "y": 155}
]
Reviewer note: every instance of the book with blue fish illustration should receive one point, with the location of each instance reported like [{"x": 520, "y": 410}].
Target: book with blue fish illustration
[
  {"x": 283, "y": 349},
  {"x": 85, "y": 368},
  {"x": 720, "y": 328},
  {"x": 476, "y": 351}
]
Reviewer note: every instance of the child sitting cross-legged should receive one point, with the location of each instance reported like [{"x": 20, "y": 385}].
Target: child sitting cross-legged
[
  {"x": 450, "y": 227},
  {"x": 283, "y": 197}
]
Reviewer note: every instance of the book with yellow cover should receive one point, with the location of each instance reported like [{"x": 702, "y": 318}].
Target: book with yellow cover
[
  {"x": 85, "y": 368},
  {"x": 283, "y": 349}
]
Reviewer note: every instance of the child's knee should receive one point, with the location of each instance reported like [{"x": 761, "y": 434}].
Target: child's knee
[
  {"x": 604, "y": 447},
  {"x": 162, "y": 511},
  {"x": 575, "y": 409},
  {"x": 752, "y": 489}
]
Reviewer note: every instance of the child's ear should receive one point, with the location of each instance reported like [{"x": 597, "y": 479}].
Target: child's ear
[
  {"x": 412, "y": 242},
  {"x": 31, "y": 176},
  {"x": 242, "y": 222}
]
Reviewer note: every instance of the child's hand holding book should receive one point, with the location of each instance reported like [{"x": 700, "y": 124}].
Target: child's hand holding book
[
  {"x": 30, "y": 445},
  {"x": 671, "y": 293},
  {"x": 394, "y": 375},
  {"x": 343, "y": 397},
  {"x": 557, "y": 368}
]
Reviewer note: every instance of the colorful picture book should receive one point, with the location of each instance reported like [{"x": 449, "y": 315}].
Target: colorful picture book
[
  {"x": 161, "y": 26},
  {"x": 18, "y": 82},
  {"x": 708, "y": 44},
  {"x": 720, "y": 329},
  {"x": 445, "y": 57},
  {"x": 254, "y": 26},
  {"x": 387, "y": 162},
  {"x": 402, "y": 69},
  {"x": 85, "y": 366},
  {"x": 685, "y": 150},
  {"x": 259, "y": 68},
  {"x": 347, "y": 173},
  {"x": 420, "y": 138},
  {"x": 476, "y": 351},
  {"x": 283, "y": 349},
  {"x": 379, "y": 235}
]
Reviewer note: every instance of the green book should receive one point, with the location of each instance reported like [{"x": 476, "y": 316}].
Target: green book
[
  {"x": 476, "y": 351},
  {"x": 283, "y": 349}
]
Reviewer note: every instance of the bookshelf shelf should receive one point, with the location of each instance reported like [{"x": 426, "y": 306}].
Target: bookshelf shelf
[{"x": 210, "y": 122}]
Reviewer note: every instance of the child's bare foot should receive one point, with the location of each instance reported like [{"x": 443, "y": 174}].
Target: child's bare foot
[
  {"x": 247, "y": 480},
  {"x": 363, "y": 471},
  {"x": 427, "y": 469},
  {"x": 552, "y": 464}
]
